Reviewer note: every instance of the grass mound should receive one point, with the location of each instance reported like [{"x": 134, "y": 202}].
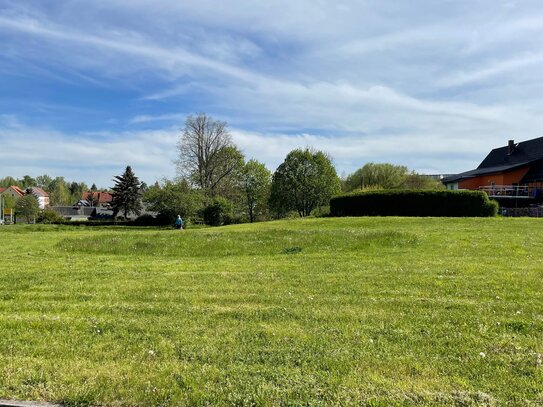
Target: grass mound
[{"x": 221, "y": 243}]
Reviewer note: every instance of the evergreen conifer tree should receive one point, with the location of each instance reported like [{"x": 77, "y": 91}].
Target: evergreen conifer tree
[{"x": 126, "y": 193}]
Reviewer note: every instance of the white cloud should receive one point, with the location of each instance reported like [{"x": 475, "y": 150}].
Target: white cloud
[
  {"x": 91, "y": 157},
  {"x": 418, "y": 151},
  {"x": 97, "y": 157},
  {"x": 364, "y": 82}
]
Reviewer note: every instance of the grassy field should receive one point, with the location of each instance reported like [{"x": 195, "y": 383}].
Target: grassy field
[{"x": 352, "y": 311}]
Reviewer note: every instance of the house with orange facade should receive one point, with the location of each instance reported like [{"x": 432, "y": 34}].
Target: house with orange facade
[{"x": 512, "y": 174}]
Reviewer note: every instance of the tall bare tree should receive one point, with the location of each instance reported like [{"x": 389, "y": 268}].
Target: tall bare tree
[{"x": 206, "y": 154}]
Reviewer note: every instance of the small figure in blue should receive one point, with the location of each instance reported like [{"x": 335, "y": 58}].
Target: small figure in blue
[{"x": 179, "y": 222}]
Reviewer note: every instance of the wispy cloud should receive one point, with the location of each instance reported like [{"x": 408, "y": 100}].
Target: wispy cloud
[
  {"x": 122, "y": 43},
  {"x": 499, "y": 67},
  {"x": 433, "y": 86},
  {"x": 160, "y": 118}
]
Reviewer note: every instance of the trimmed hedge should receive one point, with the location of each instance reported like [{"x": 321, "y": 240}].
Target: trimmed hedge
[{"x": 414, "y": 203}]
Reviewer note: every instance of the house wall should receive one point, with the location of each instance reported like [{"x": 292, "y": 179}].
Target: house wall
[
  {"x": 11, "y": 192},
  {"x": 43, "y": 201},
  {"x": 506, "y": 178}
]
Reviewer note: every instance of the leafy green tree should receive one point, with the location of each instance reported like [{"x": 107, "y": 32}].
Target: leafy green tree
[
  {"x": 219, "y": 212},
  {"x": 27, "y": 207},
  {"x": 94, "y": 188},
  {"x": 59, "y": 194},
  {"x": 8, "y": 182},
  {"x": 372, "y": 175},
  {"x": 227, "y": 183},
  {"x": 305, "y": 180},
  {"x": 256, "y": 182},
  {"x": 9, "y": 201},
  {"x": 388, "y": 176},
  {"x": 44, "y": 181},
  {"x": 26, "y": 182},
  {"x": 173, "y": 198},
  {"x": 418, "y": 181},
  {"x": 76, "y": 190},
  {"x": 126, "y": 193}
]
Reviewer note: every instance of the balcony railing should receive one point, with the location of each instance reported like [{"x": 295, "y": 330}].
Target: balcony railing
[{"x": 511, "y": 191}]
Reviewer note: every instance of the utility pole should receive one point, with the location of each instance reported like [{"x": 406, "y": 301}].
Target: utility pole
[{"x": 1, "y": 209}]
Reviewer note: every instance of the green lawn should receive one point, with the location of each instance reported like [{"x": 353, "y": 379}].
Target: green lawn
[{"x": 351, "y": 311}]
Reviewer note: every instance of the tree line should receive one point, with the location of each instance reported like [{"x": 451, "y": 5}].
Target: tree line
[
  {"x": 216, "y": 184},
  {"x": 61, "y": 192}
]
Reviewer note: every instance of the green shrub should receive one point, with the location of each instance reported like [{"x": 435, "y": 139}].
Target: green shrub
[
  {"x": 49, "y": 216},
  {"x": 414, "y": 203},
  {"x": 219, "y": 212},
  {"x": 321, "y": 212}
]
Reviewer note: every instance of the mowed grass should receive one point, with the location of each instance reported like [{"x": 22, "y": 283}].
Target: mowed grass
[{"x": 352, "y": 311}]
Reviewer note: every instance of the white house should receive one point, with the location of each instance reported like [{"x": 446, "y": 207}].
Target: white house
[{"x": 41, "y": 196}]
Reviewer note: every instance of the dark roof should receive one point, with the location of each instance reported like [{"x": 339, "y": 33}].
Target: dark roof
[
  {"x": 535, "y": 174},
  {"x": 498, "y": 160},
  {"x": 482, "y": 171},
  {"x": 102, "y": 213},
  {"x": 523, "y": 153},
  {"x": 74, "y": 210}
]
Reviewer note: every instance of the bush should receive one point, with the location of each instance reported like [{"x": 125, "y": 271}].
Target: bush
[
  {"x": 145, "y": 220},
  {"x": 219, "y": 212},
  {"x": 321, "y": 212},
  {"x": 49, "y": 216},
  {"x": 414, "y": 203}
]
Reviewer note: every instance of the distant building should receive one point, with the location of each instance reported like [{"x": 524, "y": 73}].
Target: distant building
[
  {"x": 41, "y": 196},
  {"x": 16, "y": 193},
  {"x": 512, "y": 174},
  {"x": 13, "y": 191},
  {"x": 74, "y": 212},
  {"x": 100, "y": 198}
]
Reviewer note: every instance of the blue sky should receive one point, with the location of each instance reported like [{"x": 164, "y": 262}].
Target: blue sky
[{"x": 88, "y": 87}]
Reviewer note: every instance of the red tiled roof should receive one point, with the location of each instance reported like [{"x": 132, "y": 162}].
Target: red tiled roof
[
  {"x": 2, "y": 190},
  {"x": 102, "y": 197},
  {"x": 18, "y": 190},
  {"x": 39, "y": 192}
]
